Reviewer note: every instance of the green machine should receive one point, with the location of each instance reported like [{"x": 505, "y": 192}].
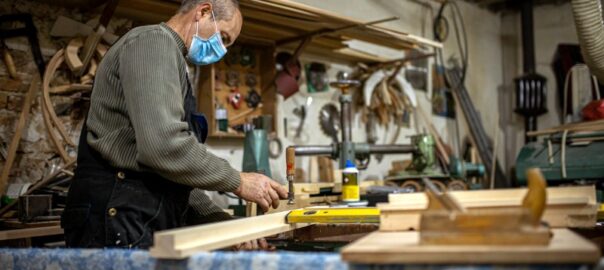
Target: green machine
[
  {"x": 579, "y": 160},
  {"x": 424, "y": 163}
]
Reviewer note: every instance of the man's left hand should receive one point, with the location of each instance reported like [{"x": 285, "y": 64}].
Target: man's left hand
[{"x": 258, "y": 244}]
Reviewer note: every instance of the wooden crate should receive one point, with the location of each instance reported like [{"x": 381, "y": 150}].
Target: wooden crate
[{"x": 213, "y": 89}]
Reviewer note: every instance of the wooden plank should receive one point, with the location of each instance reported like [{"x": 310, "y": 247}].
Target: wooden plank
[
  {"x": 574, "y": 207},
  {"x": 565, "y": 247},
  {"x": 184, "y": 242},
  {"x": 495, "y": 196},
  {"x": 30, "y": 232},
  {"x": 19, "y": 128}
]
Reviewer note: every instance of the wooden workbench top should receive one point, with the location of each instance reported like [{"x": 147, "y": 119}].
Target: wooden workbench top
[{"x": 565, "y": 247}]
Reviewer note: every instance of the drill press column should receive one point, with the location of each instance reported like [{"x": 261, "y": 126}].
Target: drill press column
[{"x": 347, "y": 151}]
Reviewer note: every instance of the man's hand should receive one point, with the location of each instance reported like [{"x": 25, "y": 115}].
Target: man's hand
[
  {"x": 258, "y": 244},
  {"x": 260, "y": 189}
]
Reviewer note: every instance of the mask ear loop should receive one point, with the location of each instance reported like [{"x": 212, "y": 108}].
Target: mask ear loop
[
  {"x": 214, "y": 19},
  {"x": 197, "y": 28}
]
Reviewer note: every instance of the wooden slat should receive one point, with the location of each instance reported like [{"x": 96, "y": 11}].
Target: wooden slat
[
  {"x": 181, "y": 243},
  {"x": 19, "y": 128},
  {"x": 31, "y": 232},
  {"x": 381, "y": 248}
]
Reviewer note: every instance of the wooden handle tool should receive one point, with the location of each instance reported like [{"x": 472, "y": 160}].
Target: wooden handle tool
[
  {"x": 536, "y": 197},
  {"x": 290, "y": 161}
]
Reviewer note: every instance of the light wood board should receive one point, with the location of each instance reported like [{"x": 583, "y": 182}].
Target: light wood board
[
  {"x": 184, "y": 242},
  {"x": 565, "y": 247},
  {"x": 566, "y": 206}
]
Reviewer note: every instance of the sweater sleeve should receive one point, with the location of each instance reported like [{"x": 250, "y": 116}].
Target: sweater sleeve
[{"x": 154, "y": 99}]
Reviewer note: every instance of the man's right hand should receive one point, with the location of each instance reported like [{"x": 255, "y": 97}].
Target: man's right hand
[{"x": 258, "y": 188}]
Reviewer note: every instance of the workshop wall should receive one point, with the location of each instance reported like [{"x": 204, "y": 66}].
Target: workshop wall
[{"x": 483, "y": 79}]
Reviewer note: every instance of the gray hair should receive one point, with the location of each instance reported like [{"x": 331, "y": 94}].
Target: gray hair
[{"x": 223, "y": 9}]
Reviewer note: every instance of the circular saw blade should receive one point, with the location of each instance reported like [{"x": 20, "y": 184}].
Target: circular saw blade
[{"x": 329, "y": 119}]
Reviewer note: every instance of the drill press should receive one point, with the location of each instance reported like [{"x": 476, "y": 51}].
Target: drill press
[{"x": 345, "y": 149}]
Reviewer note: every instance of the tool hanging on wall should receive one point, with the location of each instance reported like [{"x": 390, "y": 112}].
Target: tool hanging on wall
[
  {"x": 302, "y": 112},
  {"x": 232, "y": 78},
  {"x": 316, "y": 77},
  {"x": 329, "y": 120},
  {"x": 235, "y": 98},
  {"x": 253, "y": 98},
  {"x": 248, "y": 59},
  {"x": 288, "y": 74}
]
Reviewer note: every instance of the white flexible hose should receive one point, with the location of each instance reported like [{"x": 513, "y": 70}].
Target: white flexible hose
[{"x": 590, "y": 29}]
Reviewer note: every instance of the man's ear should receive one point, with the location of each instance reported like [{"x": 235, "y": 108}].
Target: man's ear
[{"x": 203, "y": 10}]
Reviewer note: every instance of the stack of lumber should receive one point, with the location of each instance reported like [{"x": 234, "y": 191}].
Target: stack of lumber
[
  {"x": 285, "y": 23},
  {"x": 566, "y": 206}
]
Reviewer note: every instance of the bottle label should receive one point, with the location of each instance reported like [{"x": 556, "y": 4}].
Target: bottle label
[{"x": 350, "y": 187}]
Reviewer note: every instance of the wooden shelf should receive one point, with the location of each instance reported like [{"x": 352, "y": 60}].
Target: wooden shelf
[{"x": 213, "y": 89}]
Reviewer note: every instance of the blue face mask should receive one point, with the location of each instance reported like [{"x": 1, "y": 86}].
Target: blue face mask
[{"x": 206, "y": 51}]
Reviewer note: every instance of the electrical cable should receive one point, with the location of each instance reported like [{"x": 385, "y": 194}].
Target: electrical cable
[{"x": 460, "y": 35}]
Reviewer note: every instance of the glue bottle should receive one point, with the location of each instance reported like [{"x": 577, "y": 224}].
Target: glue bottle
[
  {"x": 222, "y": 119},
  {"x": 350, "y": 183}
]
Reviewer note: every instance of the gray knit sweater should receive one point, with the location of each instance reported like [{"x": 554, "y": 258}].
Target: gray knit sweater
[{"x": 137, "y": 118}]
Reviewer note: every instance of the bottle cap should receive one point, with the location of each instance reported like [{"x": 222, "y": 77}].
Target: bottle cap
[{"x": 349, "y": 164}]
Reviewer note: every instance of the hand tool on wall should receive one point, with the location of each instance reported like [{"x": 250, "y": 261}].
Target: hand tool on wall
[
  {"x": 302, "y": 112},
  {"x": 29, "y": 31},
  {"x": 329, "y": 120}
]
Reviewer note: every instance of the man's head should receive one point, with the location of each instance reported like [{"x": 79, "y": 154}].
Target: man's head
[{"x": 227, "y": 16}]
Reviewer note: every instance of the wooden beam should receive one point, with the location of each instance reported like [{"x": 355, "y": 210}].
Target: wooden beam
[
  {"x": 20, "y": 127},
  {"x": 184, "y": 242},
  {"x": 30, "y": 232}
]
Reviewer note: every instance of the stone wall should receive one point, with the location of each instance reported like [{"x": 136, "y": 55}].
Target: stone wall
[{"x": 35, "y": 154}]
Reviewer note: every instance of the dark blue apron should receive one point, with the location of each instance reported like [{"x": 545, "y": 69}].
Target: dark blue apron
[{"x": 111, "y": 207}]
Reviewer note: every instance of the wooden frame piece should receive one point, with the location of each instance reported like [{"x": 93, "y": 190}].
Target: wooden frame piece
[
  {"x": 184, "y": 242},
  {"x": 30, "y": 232},
  {"x": 20, "y": 127}
]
